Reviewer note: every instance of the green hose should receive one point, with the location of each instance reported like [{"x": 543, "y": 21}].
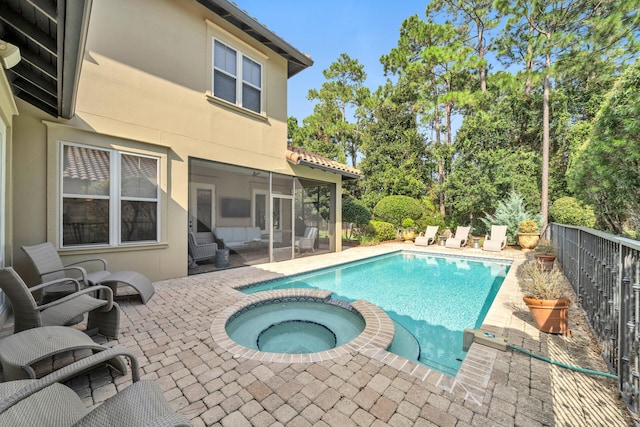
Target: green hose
[{"x": 564, "y": 365}]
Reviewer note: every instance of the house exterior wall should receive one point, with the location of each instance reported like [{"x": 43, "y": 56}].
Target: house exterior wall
[{"x": 145, "y": 87}]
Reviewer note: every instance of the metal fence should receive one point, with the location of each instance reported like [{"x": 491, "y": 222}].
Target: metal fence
[{"x": 604, "y": 271}]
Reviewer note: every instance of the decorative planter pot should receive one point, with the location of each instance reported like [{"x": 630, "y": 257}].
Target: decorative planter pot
[
  {"x": 528, "y": 241},
  {"x": 546, "y": 261},
  {"x": 550, "y": 315},
  {"x": 408, "y": 234}
]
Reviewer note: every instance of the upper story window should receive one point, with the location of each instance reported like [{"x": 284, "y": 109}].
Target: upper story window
[
  {"x": 236, "y": 78},
  {"x": 108, "y": 197}
]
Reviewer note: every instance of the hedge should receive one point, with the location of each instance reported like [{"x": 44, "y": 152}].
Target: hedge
[{"x": 394, "y": 209}]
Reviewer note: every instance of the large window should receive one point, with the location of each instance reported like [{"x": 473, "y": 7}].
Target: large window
[
  {"x": 108, "y": 197},
  {"x": 236, "y": 78}
]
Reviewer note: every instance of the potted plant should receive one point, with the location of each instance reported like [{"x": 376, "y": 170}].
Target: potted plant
[
  {"x": 528, "y": 234},
  {"x": 544, "y": 298},
  {"x": 546, "y": 252},
  {"x": 408, "y": 229}
]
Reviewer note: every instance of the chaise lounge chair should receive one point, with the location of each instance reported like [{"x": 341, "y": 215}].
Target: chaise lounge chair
[
  {"x": 459, "y": 239},
  {"x": 21, "y": 351},
  {"x": 47, "y": 402},
  {"x": 307, "y": 241},
  {"x": 49, "y": 266},
  {"x": 430, "y": 236},
  {"x": 203, "y": 251},
  {"x": 104, "y": 314},
  {"x": 497, "y": 240}
]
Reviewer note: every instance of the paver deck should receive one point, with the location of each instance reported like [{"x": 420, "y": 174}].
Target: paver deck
[{"x": 215, "y": 384}]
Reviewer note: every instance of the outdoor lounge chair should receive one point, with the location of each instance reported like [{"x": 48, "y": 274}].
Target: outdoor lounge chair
[
  {"x": 459, "y": 239},
  {"x": 307, "y": 241},
  {"x": 49, "y": 266},
  {"x": 104, "y": 314},
  {"x": 497, "y": 240},
  {"x": 47, "y": 402},
  {"x": 430, "y": 236},
  {"x": 19, "y": 352},
  {"x": 203, "y": 251}
]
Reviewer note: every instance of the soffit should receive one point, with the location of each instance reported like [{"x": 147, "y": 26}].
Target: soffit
[{"x": 50, "y": 35}]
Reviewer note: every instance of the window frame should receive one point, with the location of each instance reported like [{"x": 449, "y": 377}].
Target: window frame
[
  {"x": 239, "y": 76},
  {"x": 115, "y": 197},
  {"x": 243, "y": 49}
]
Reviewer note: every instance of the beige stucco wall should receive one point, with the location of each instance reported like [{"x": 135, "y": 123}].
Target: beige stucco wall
[{"x": 145, "y": 88}]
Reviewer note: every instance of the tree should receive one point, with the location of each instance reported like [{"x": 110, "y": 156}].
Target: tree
[
  {"x": 606, "y": 173},
  {"x": 432, "y": 60},
  {"x": 490, "y": 164},
  {"x": 471, "y": 14},
  {"x": 569, "y": 35},
  {"x": 395, "y": 158},
  {"x": 342, "y": 95}
]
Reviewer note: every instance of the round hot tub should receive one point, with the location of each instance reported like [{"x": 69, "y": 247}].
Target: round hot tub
[
  {"x": 300, "y": 325},
  {"x": 295, "y": 325}
]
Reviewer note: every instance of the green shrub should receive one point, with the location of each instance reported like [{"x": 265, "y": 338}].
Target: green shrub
[
  {"x": 569, "y": 211},
  {"x": 430, "y": 217},
  {"x": 394, "y": 209},
  {"x": 511, "y": 213},
  {"x": 354, "y": 211},
  {"x": 408, "y": 223},
  {"x": 528, "y": 226},
  {"x": 382, "y": 230}
]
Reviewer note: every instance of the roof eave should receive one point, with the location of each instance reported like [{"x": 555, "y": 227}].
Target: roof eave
[
  {"x": 345, "y": 175},
  {"x": 76, "y": 24},
  {"x": 296, "y": 60}
]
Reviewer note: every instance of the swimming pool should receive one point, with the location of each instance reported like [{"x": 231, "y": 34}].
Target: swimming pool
[{"x": 434, "y": 297}]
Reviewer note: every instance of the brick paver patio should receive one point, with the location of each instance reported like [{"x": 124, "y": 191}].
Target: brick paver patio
[{"x": 217, "y": 385}]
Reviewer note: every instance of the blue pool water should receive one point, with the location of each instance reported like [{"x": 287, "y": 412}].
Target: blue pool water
[{"x": 434, "y": 298}]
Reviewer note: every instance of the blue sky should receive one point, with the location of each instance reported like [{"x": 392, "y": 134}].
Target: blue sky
[{"x": 365, "y": 30}]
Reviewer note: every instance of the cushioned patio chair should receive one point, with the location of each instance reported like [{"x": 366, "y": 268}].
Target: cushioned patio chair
[
  {"x": 103, "y": 314},
  {"x": 47, "y": 402},
  {"x": 47, "y": 262},
  {"x": 19, "y": 352},
  {"x": 307, "y": 241},
  {"x": 202, "y": 251},
  {"x": 459, "y": 239},
  {"x": 497, "y": 240},
  {"x": 430, "y": 236}
]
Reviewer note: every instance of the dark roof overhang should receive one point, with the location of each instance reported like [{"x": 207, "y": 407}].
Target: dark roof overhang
[{"x": 51, "y": 37}]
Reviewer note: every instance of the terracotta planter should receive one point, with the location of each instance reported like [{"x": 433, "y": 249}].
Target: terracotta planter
[
  {"x": 550, "y": 315},
  {"x": 408, "y": 234},
  {"x": 546, "y": 261},
  {"x": 528, "y": 241}
]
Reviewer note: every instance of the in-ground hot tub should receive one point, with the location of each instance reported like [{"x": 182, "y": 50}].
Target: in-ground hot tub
[
  {"x": 295, "y": 325},
  {"x": 300, "y": 325}
]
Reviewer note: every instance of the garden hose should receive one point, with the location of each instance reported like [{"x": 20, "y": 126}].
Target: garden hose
[{"x": 563, "y": 365}]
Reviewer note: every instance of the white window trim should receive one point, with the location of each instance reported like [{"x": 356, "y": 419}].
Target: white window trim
[
  {"x": 240, "y": 55},
  {"x": 242, "y": 49},
  {"x": 114, "y": 197}
]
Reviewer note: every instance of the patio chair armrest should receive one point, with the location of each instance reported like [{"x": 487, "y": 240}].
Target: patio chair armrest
[
  {"x": 101, "y": 260},
  {"x": 305, "y": 241},
  {"x": 55, "y": 282},
  {"x": 81, "y": 270},
  {"x": 106, "y": 289},
  {"x": 70, "y": 371}
]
